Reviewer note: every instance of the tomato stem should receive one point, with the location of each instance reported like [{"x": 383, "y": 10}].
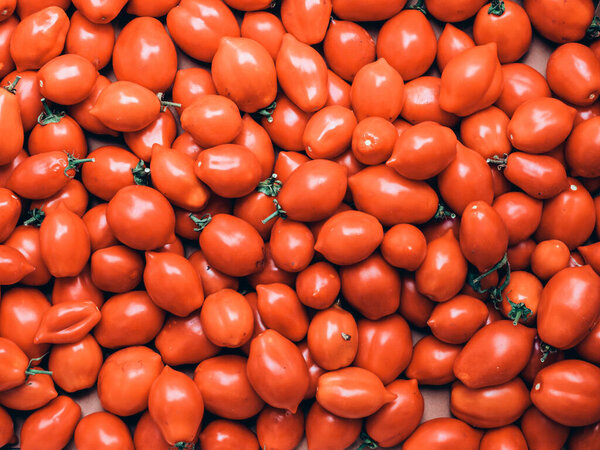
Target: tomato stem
[
  {"x": 141, "y": 173},
  {"x": 497, "y": 7},
  {"x": 164, "y": 103},
  {"x": 278, "y": 212},
  {"x": 270, "y": 186},
  {"x": 419, "y": 6},
  {"x": 267, "y": 112},
  {"x": 202, "y": 222},
  {"x": 500, "y": 162},
  {"x": 594, "y": 29},
  {"x": 546, "y": 350},
  {"x": 12, "y": 87},
  {"x": 74, "y": 163},
  {"x": 30, "y": 371},
  {"x": 48, "y": 116},
  {"x": 443, "y": 213},
  {"x": 187, "y": 445},
  {"x": 496, "y": 291},
  {"x": 368, "y": 442},
  {"x": 36, "y": 217},
  {"x": 518, "y": 311}
]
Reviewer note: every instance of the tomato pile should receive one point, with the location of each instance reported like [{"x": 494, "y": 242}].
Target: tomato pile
[{"x": 228, "y": 219}]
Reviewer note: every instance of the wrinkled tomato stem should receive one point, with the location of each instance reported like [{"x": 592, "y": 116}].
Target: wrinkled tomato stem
[
  {"x": 419, "y": 6},
  {"x": 279, "y": 212},
  {"x": 271, "y": 186},
  {"x": 165, "y": 103},
  {"x": 499, "y": 162},
  {"x": 12, "y": 87},
  {"x": 497, "y": 7},
  {"x": 443, "y": 213},
  {"x": 267, "y": 112},
  {"x": 202, "y": 222},
  {"x": 74, "y": 163},
  {"x": 48, "y": 116},
  {"x": 518, "y": 311},
  {"x": 36, "y": 217},
  {"x": 368, "y": 442},
  {"x": 141, "y": 173}
]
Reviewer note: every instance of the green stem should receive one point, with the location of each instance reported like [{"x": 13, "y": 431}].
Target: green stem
[
  {"x": 346, "y": 337},
  {"x": 74, "y": 163},
  {"x": 500, "y": 162},
  {"x": 546, "y": 350},
  {"x": 36, "y": 217},
  {"x": 141, "y": 174},
  {"x": 279, "y": 212},
  {"x": 48, "y": 116},
  {"x": 497, "y": 7},
  {"x": 443, "y": 213},
  {"x": 12, "y": 87},
  {"x": 270, "y": 186},
  {"x": 419, "y": 6},
  {"x": 187, "y": 445},
  {"x": 267, "y": 112},
  {"x": 368, "y": 442},
  {"x": 164, "y": 103},
  {"x": 37, "y": 371},
  {"x": 517, "y": 311},
  {"x": 202, "y": 222},
  {"x": 476, "y": 282},
  {"x": 594, "y": 29}
]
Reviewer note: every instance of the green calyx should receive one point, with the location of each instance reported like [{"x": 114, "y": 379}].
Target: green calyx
[
  {"x": 546, "y": 350},
  {"x": 186, "y": 445},
  {"x": 74, "y": 163},
  {"x": 36, "y": 217},
  {"x": 141, "y": 174},
  {"x": 593, "y": 30},
  {"x": 164, "y": 103},
  {"x": 12, "y": 87},
  {"x": 518, "y": 311},
  {"x": 271, "y": 186},
  {"x": 499, "y": 162},
  {"x": 443, "y": 213},
  {"x": 48, "y": 116},
  {"x": 368, "y": 442},
  {"x": 202, "y": 222},
  {"x": 497, "y": 7},
  {"x": 267, "y": 112},
  {"x": 495, "y": 292},
  {"x": 419, "y": 5},
  {"x": 279, "y": 212}
]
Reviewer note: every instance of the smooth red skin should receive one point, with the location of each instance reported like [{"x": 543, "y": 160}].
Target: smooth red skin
[
  {"x": 64, "y": 136},
  {"x": 116, "y": 269},
  {"x": 281, "y": 310},
  {"x": 288, "y": 162},
  {"x": 326, "y": 431},
  {"x": 243, "y": 71},
  {"x": 522, "y": 288},
  {"x": 7, "y": 169},
  {"x": 212, "y": 120},
  {"x": 28, "y": 97},
  {"x": 584, "y": 113},
  {"x": 270, "y": 273},
  {"x": 13, "y": 265},
  {"x": 14, "y": 363},
  {"x": 255, "y": 138},
  {"x": 265, "y": 28},
  {"x": 352, "y": 392},
  {"x": 511, "y": 31},
  {"x": 358, "y": 11},
  {"x": 148, "y": 435},
  {"x": 438, "y": 228},
  {"x": 185, "y": 144},
  {"x": 467, "y": 179},
  {"x": 329, "y": 132},
  {"x": 201, "y": 21},
  {"x": 540, "y": 176},
  {"x": 81, "y": 111},
  {"x": 347, "y": 48},
  {"x": 423, "y": 151},
  {"x": 225, "y": 388},
  {"x": 228, "y": 435},
  {"x": 227, "y": 319},
  {"x": 7, "y": 28},
  {"x": 314, "y": 370},
  {"x": 212, "y": 279},
  {"x": 172, "y": 283},
  {"x": 422, "y": 102},
  {"x": 110, "y": 171},
  {"x": 259, "y": 326},
  {"x": 377, "y": 90},
  {"x": 67, "y": 322},
  {"x": 67, "y": 79},
  {"x": 101, "y": 236},
  {"x": 443, "y": 272},
  {"x": 549, "y": 257},
  {"x": 338, "y": 91},
  {"x": 521, "y": 83},
  {"x": 560, "y": 21},
  {"x": 318, "y": 285},
  {"x": 326, "y": 342},
  {"x": 183, "y": 341},
  {"x": 443, "y": 432},
  {"x": 77, "y": 288},
  {"x": 288, "y": 124},
  {"x": 307, "y": 22},
  {"x": 391, "y": 198},
  {"x": 490, "y": 407},
  {"x": 500, "y": 183},
  {"x": 76, "y": 366},
  {"x": 161, "y": 131},
  {"x": 573, "y": 74},
  {"x": 373, "y": 140},
  {"x": 12, "y": 127},
  {"x": 102, "y": 431},
  {"x": 450, "y": 43},
  {"x": 92, "y": 41},
  {"x": 541, "y": 124},
  {"x": 10, "y": 207},
  {"x": 414, "y": 307},
  {"x": 141, "y": 218},
  {"x": 408, "y": 44},
  {"x": 494, "y": 355},
  {"x": 568, "y": 217},
  {"x": 52, "y": 426},
  {"x": 190, "y": 84},
  {"x": 27, "y": 7},
  {"x": 432, "y": 361},
  {"x": 100, "y": 12},
  {"x": 588, "y": 348},
  {"x": 535, "y": 363},
  {"x": 241, "y": 257},
  {"x": 73, "y": 195},
  {"x": 457, "y": 320},
  {"x": 277, "y": 371},
  {"x": 541, "y": 432},
  {"x": 567, "y": 392},
  {"x": 384, "y": 347},
  {"x": 39, "y": 37},
  {"x": 145, "y": 54},
  {"x": 125, "y": 378},
  {"x": 175, "y": 246},
  {"x": 126, "y": 106},
  {"x": 27, "y": 241},
  {"x": 277, "y": 428},
  {"x": 156, "y": 9},
  {"x": 485, "y": 132},
  {"x": 372, "y": 287},
  {"x": 520, "y": 213},
  {"x": 456, "y": 11},
  {"x": 579, "y": 149},
  {"x": 302, "y": 74},
  {"x": 35, "y": 393},
  {"x": 586, "y": 437},
  {"x": 509, "y": 437},
  {"x": 291, "y": 245}
]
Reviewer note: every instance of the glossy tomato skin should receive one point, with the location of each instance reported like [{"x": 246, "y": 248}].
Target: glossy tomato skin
[
  {"x": 485, "y": 132},
  {"x": 255, "y": 207},
  {"x": 191, "y": 83},
  {"x": 227, "y": 319},
  {"x": 81, "y": 111},
  {"x": 404, "y": 246},
  {"x": 338, "y": 91},
  {"x": 13, "y": 265},
  {"x": 225, "y": 388},
  {"x": 227, "y": 434},
  {"x": 73, "y": 195},
  {"x": 102, "y": 430},
  {"x": 7, "y": 28},
  {"x": 560, "y": 21},
  {"x": 67, "y": 79},
  {"x": 347, "y": 47},
  {"x": 541, "y": 432},
  {"x": 307, "y": 22},
  {"x": 509, "y": 436},
  {"x": 373, "y": 140},
  {"x": 100, "y": 12},
  {"x": 422, "y": 102},
  {"x": 116, "y": 269},
  {"x": 450, "y": 43},
  {"x": 277, "y": 428},
  {"x": 442, "y": 433},
  {"x": 585, "y": 437},
  {"x": 14, "y": 364},
  {"x": 93, "y": 41},
  {"x": 277, "y": 303},
  {"x": 333, "y": 338},
  {"x": 26, "y": 239},
  {"x": 28, "y": 96},
  {"x": 270, "y": 273},
  {"x": 10, "y": 205},
  {"x": 318, "y": 285},
  {"x": 540, "y": 176},
  {"x": 588, "y": 348},
  {"x": 454, "y": 11},
  {"x": 521, "y": 83},
  {"x": 578, "y": 151},
  {"x": 288, "y": 124},
  {"x": 327, "y": 431},
  {"x": 11, "y": 126},
  {"x": 65, "y": 136},
  {"x": 520, "y": 213},
  {"x": 161, "y": 131},
  {"x": 432, "y": 362},
  {"x": 37, "y": 392},
  {"x": 567, "y": 392},
  {"x": 76, "y": 366},
  {"x": 147, "y": 434},
  {"x": 329, "y": 132},
  {"x": 457, "y": 320},
  {"x": 212, "y": 120},
  {"x": 39, "y": 37},
  {"x": 314, "y": 371},
  {"x": 101, "y": 236},
  {"x": 256, "y": 139},
  {"x": 184, "y": 143},
  {"x": 52, "y": 426},
  {"x": 265, "y": 28},
  {"x": 67, "y": 322},
  {"x": 291, "y": 245},
  {"x": 525, "y": 289}
]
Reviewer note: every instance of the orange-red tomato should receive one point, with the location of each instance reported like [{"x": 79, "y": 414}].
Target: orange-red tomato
[
  {"x": 485, "y": 132},
  {"x": 373, "y": 140},
  {"x": 347, "y": 48},
  {"x": 404, "y": 246},
  {"x": 318, "y": 285},
  {"x": 520, "y": 213},
  {"x": 359, "y": 11},
  {"x": 34, "y": 394},
  {"x": 541, "y": 432},
  {"x": 51, "y": 426},
  {"x": 549, "y": 257},
  {"x": 453, "y": 10},
  {"x": 256, "y": 139},
  {"x": 73, "y": 195},
  {"x": 422, "y": 102},
  {"x": 227, "y": 319},
  {"x": 28, "y": 96},
  {"x": 14, "y": 365},
  {"x": 432, "y": 361},
  {"x": 67, "y": 79},
  {"x": 505, "y": 437},
  {"x": 540, "y": 176},
  {"x": 116, "y": 268},
  {"x": 112, "y": 170},
  {"x": 67, "y": 322},
  {"x": 560, "y": 20},
  {"x": 286, "y": 125},
  {"x": 161, "y": 131},
  {"x": 325, "y": 430},
  {"x": 265, "y": 28},
  {"x": 190, "y": 84},
  {"x": 586, "y": 437},
  {"x": 100, "y": 12},
  {"x": 227, "y": 434},
  {"x": 307, "y": 21},
  {"x": 291, "y": 245},
  {"x": 212, "y": 120},
  {"x": 521, "y": 83},
  {"x": 26, "y": 239},
  {"x": 281, "y": 310},
  {"x": 58, "y": 133},
  {"x": 147, "y": 434},
  {"x": 81, "y": 111},
  {"x": 153, "y": 9},
  {"x": 443, "y": 432},
  {"x": 329, "y": 132},
  {"x": 13, "y": 266},
  {"x": 579, "y": 152},
  {"x": 93, "y": 41},
  {"x": 338, "y": 91},
  {"x": 11, "y": 125},
  {"x": 7, "y": 27},
  {"x": 522, "y": 296},
  {"x": 277, "y": 428},
  {"x": 451, "y": 42},
  {"x": 10, "y": 205},
  {"x": 102, "y": 430},
  {"x": 457, "y": 320}
]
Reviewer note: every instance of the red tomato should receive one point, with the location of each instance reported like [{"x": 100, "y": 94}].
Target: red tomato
[
  {"x": 588, "y": 348},
  {"x": 11, "y": 125},
  {"x": 161, "y": 131},
  {"x": 485, "y": 132},
  {"x": 73, "y": 195},
  {"x": 26, "y": 239},
  {"x": 338, "y": 91},
  {"x": 13, "y": 265},
  {"x": 67, "y": 322},
  {"x": 34, "y": 394},
  {"x": 560, "y": 21},
  {"x": 227, "y": 319},
  {"x": 57, "y": 132},
  {"x": 147, "y": 434},
  {"x": 457, "y": 320},
  {"x": 286, "y": 125},
  {"x": 225, "y": 434},
  {"x": 190, "y": 84},
  {"x": 579, "y": 151},
  {"x": 308, "y": 22},
  {"x": 67, "y": 79},
  {"x": 100, "y": 12},
  {"x": 212, "y": 120},
  {"x": 281, "y": 310},
  {"x": 505, "y": 437},
  {"x": 549, "y": 257},
  {"x": 27, "y": 7},
  {"x": 102, "y": 431},
  {"x": 520, "y": 213},
  {"x": 28, "y": 96},
  {"x": 422, "y": 102},
  {"x": 327, "y": 431},
  {"x": 585, "y": 437},
  {"x": 521, "y": 83},
  {"x": 82, "y": 111},
  {"x": 93, "y": 41},
  {"x": 522, "y": 295},
  {"x": 373, "y": 140},
  {"x": 52, "y": 426},
  {"x": 359, "y": 11},
  {"x": 184, "y": 143},
  {"x": 318, "y": 285},
  {"x": 265, "y": 28},
  {"x": 314, "y": 371},
  {"x": 154, "y": 9},
  {"x": 10, "y": 206},
  {"x": 443, "y": 432},
  {"x": 225, "y": 388},
  {"x": 329, "y": 132},
  {"x": 404, "y": 246},
  {"x": 116, "y": 269},
  {"x": 542, "y": 432},
  {"x": 101, "y": 236},
  {"x": 291, "y": 245},
  {"x": 333, "y": 338},
  {"x": 453, "y": 10},
  {"x": 112, "y": 170},
  {"x": 347, "y": 48},
  {"x": 7, "y": 28},
  {"x": 451, "y": 42},
  {"x": 256, "y": 139},
  {"x": 432, "y": 361},
  {"x": 277, "y": 428}
]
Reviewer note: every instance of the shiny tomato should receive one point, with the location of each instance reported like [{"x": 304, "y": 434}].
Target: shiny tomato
[
  {"x": 347, "y": 48},
  {"x": 102, "y": 431},
  {"x": 27, "y": 7},
  {"x": 11, "y": 125},
  {"x": 13, "y": 265},
  {"x": 81, "y": 111},
  {"x": 358, "y": 11},
  {"x": 256, "y": 139},
  {"x": 226, "y": 434},
  {"x": 101, "y": 236},
  {"x": 329, "y": 132},
  {"x": 505, "y": 437},
  {"x": 57, "y": 132},
  {"x": 277, "y": 428},
  {"x": 549, "y": 257},
  {"x": 67, "y": 79},
  {"x": 52, "y": 426},
  {"x": 184, "y": 143},
  {"x": 116, "y": 268},
  {"x": 457, "y": 320},
  {"x": 522, "y": 297},
  {"x": 578, "y": 151},
  {"x": 26, "y": 239},
  {"x": 485, "y": 132},
  {"x": 291, "y": 245},
  {"x": 450, "y": 43},
  {"x": 373, "y": 140},
  {"x": 7, "y": 28},
  {"x": 560, "y": 21},
  {"x": 542, "y": 432},
  {"x": 74, "y": 196},
  {"x": 147, "y": 434},
  {"x": 100, "y": 12},
  {"x": 318, "y": 285},
  {"x": 338, "y": 91},
  {"x": 190, "y": 84},
  {"x": 432, "y": 361},
  {"x": 333, "y": 338},
  {"x": 308, "y": 22},
  {"x": 443, "y": 432},
  {"x": 404, "y": 246},
  {"x": 327, "y": 431},
  {"x": 113, "y": 169},
  {"x": 35, "y": 393},
  {"x": 422, "y": 102},
  {"x": 212, "y": 120},
  {"x": 520, "y": 213},
  {"x": 227, "y": 319},
  {"x": 161, "y": 131},
  {"x": 281, "y": 310},
  {"x": 76, "y": 366},
  {"x": 28, "y": 96},
  {"x": 265, "y": 28},
  {"x": 454, "y": 10},
  {"x": 10, "y": 205},
  {"x": 521, "y": 83},
  {"x": 67, "y": 322},
  {"x": 588, "y": 348},
  {"x": 286, "y": 125},
  {"x": 93, "y": 41}
]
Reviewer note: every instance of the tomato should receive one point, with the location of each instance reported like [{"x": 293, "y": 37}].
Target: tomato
[
  {"x": 373, "y": 140},
  {"x": 585, "y": 437},
  {"x": 444, "y": 270},
  {"x": 542, "y": 432},
  {"x": 258, "y": 205},
  {"x": 82, "y": 111},
  {"x": 584, "y": 113},
  {"x": 404, "y": 246},
  {"x": 185, "y": 144},
  {"x": 35, "y": 393},
  {"x": 26, "y": 239},
  {"x": 67, "y": 322},
  {"x": 326, "y": 431},
  {"x": 112, "y": 170},
  {"x": 560, "y": 21},
  {"x": 352, "y": 392},
  {"x": 93, "y": 41},
  {"x": 490, "y": 407},
  {"x": 588, "y": 348},
  {"x": 102, "y": 431},
  {"x": 147, "y": 434},
  {"x": 454, "y": 10},
  {"x": 28, "y": 96},
  {"x": 10, "y": 206},
  {"x": 141, "y": 218},
  {"x": 265, "y": 28},
  {"x": 67, "y": 79},
  {"x": 520, "y": 213},
  {"x": 457, "y": 320},
  {"x": 277, "y": 303},
  {"x": 190, "y": 84},
  {"x": 314, "y": 371},
  {"x": 505, "y": 437},
  {"x": 197, "y": 26},
  {"x": 568, "y": 217},
  {"x": 432, "y": 361},
  {"x": 521, "y": 83},
  {"x": 291, "y": 245},
  {"x": 549, "y": 257},
  {"x": 422, "y": 102},
  {"x": 27, "y": 7},
  {"x": 226, "y": 434},
  {"x": 225, "y": 388},
  {"x": 57, "y": 132},
  {"x": 377, "y": 90},
  {"x": 485, "y": 132},
  {"x": 542, "y": 356},
  {"x": 347, "y": 48},
  {"x": 359, "y": 11},
  {"x": 183, "y": 341},
  {"x": 64, "y": 242},
  {"x": 13, "y": 265},
  {"x": 76, "y": 366},
  {"x": 307, "y": 22},
  {"x": 39, "y": 37},
  {"x": 52, "y": 426},
  {"x": 443, "y": 432},
  {"x": 318, "y": 285},
  {"x": 567, "y": 392},
  {"x": 450, "y": 43},
  {"x": 286, "y": 125},
  {"x": 100, "y": 12},
  {"x": 212, "y": 120},
  {"x": 11, "y": 125},
  {"x": 15, "y": 367},
  {"x": 7, "y": 28},
  {"x": 338, "y": 91},
  {"x": 256, "y": 139},
  {"x": 227, "y": 319},
  {"x": 522, "y": 295},
  {"x": 116, "y": 269},
  {"x": 73, "y": 195},
  {"x": 302, "y": 74},
  {"x": 101, "y": 236},
  {"x": 259, "y": 326},
  {"x": 161, "y": 131},
  {"x": 277, "y": 428},
  {"x": 579, "y": 149},
  {"x": 156, "y": 9},
  {"x": 408, "y": 43},
  {"x": 478, "y": 68},
  {"x": 329, "y": 132}
]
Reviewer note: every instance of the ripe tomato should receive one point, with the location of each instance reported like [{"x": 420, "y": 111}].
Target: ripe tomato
[
  {"x": 51, "y": 426},
  {"x": 373, "y": 140},
  {"x": 329, "y": 132},
  {"x": 454, "y": 10},
  {"x": 13, "y": 265},
  {"x": 520, "y": 213},
  {"x": 73, "y": 195},
  {"x": 100, "y": 12},
  {"x": 277, "y": 428},
  {"x": 125, "y": 378},
  {"x": 521, "y": 83},
  {"x": 228, "y": 434},
  {"x": 359, "y": 11},
  {"x": 227, "y": 319},
  {"x": 432, "y": 361},
  {"x": 10, "y": 206},
  {"x": 11, "y": 125},
  {"x": 81, "y": 111},
  {"x": 7, "y": 28},
  {"x": 443, "y": 432},
  {"x": 325, "y": 430},
  {"x": 147, "y": 434},
  {"x": 588, "y": 348},
  {"x": 27, "y": 7},
  {"x": 318, "y": 285},
  {"x": 291, "y": 245},
  {"x": 404, "y": 246},
  {"x": 451, "y": 42},
  {"x": 256, "y": 139},
  {"x": 26, "y": 239},
  {"x": 57, "y": 132},
  {"x": 67, "y": 322},
  {"x": 422, "y": 102},
  {"x": 212, "y": 120},
  {"x": 338, "y": 91},
  {"x": 190, "y": 84},
  {"x": 102, "y": 430},
  {"x": 542, "y": 432},
  {"x": 585, "y": 437},
  {"x": 28, "y": 96},
  {"x": 485, "y": 132},
  {"x": 549, "y": 257},
  {"x": 101, "y": 236},
  {"x": 509, "y": 436},
  {"x": 308, "y": 22},
  {"x": 265, "y": 28},
  {"x": 560, "y": 21},
  {"x": 457, "y": 320},
  {"x": 76, "y": 366},
  {"x": 93, "y": 41},
  {"x": 567, "y": 392},
  {"x": 347, "y": 48},
  {"x": 522, "y": 296},
  {"x": 67, "y": 79},
  {"x": 540, "y": 176},
  {"x": 225, "y": 388},
  {"x": 281, "y": 310},
  {"x": 579, "y": 149},
  {"x": 35, "y": 393},
  {"x": 116, "y": 269},
  {"x": 112, "y": 170},
  {"x": 161, "y": 131}
]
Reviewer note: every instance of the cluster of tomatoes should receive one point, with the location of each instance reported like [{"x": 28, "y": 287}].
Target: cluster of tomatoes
[{"x": 253, "y": 279}]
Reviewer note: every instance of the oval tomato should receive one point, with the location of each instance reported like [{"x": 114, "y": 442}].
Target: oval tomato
[
  {"x": 228, "y": 434},
  {"x": 306, "y": 21},
  {"x": 326, "y": 430},
  {"x": 102, "y": 430},
  {"x": 450, "y": 43},
  {"x": 93, "y": 41},
  {"x": 457, "y": 320},
  {"x": 347, "y": 48},
  {"x": 560, "y": 21},
  {"x": 542, "y": 432},
  {"x": 333, "y": 338},
  {"x": 443, "y": 432},
  {"x": 67, "y": 79},
  {"x": 52, "y": 426},
  {"x": 116, "y": 269},
  {"x": 265, "y": 28}
]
